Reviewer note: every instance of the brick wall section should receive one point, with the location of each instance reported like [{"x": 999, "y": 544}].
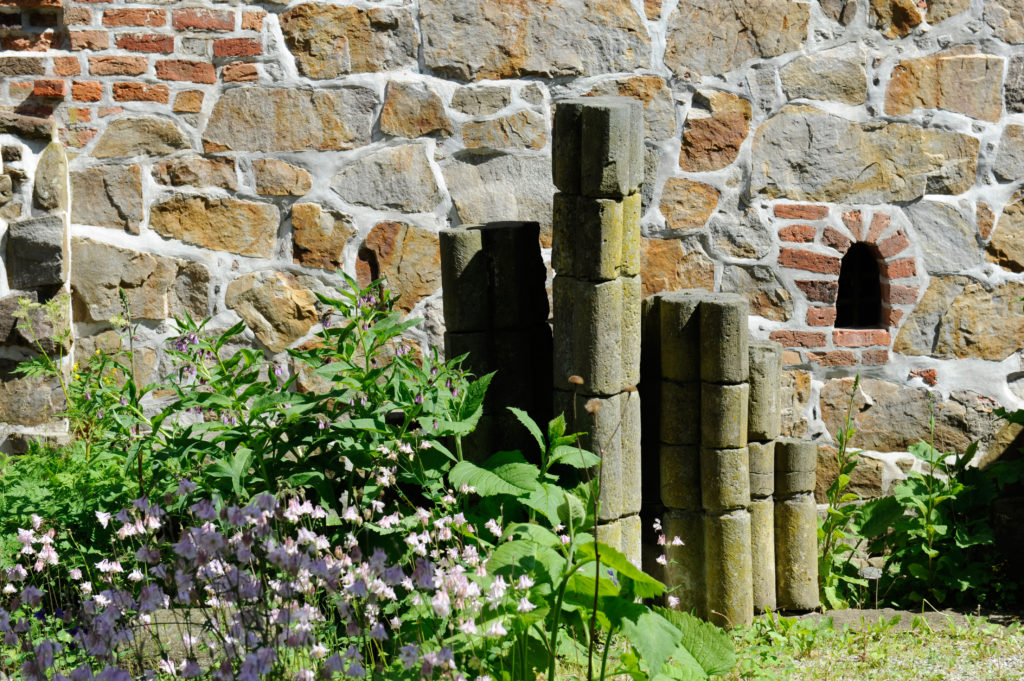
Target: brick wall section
[
  {"x": 80, "y": 53},
  {"x": 813, "y": 252}
]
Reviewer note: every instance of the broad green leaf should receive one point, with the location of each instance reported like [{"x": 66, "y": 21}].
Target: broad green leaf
[
  {"x": 577, "y": 457},
  {"x": 708, "y": 647},
  {"x": 653, "y": 636},
  {"x": 645, "y": 586},
  {"x": 497, "y": 475},
  {"x": 530, "y": 425},
  {"x": 521, "y": 556}
]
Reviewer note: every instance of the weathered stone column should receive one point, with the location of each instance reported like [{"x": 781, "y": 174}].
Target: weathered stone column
[
  {"x": 597, "y": 163},
  {"x": 796, "y": 525},
  {"x": 763, "y": 426},
  {"x": 725, "y": 467},
  {"x": 496, "y": 310}
]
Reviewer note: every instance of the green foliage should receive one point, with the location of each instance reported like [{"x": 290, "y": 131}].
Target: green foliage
[{"x": 838, "y": 578}]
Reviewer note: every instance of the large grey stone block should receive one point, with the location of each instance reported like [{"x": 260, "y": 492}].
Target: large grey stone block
[
  {"x": 796, "y": 553},
  {"x": 765, "y": 420},
  {"x": 762, "y": 468},
  {"x": 465, "y": 280},
  {"x": 597, "y": 146},
  {"x": 37, "y": 252},
  {"x": 762, "y": 553},
  {"x": 679, "y": 467},
  {"x": 796, "y": 463},
  {"x": 724, "y": 479},
  {"x": 680, "y": 335},
  {"x": 727, "y": 569},
  {"x": 723, "y": 415},
  {"x": 679, "y": 415},
  {"x": 724, "y": 355}
]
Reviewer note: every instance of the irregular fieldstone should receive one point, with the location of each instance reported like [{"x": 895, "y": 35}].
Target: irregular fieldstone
[
  {"x": 715, "y": 128},
  {"x": 28, "y": 401},
  {"x": 1006, "y": 17},
  {"x": 744, "y": 238},
  {"x": 223, "y": 224},
  {"x": 501, "y": 39},
  {"x": 653, "y": 92},
  {"x": 36, "y": 252},
  {"x": 482, "y": 100},
  {"x": 1009, "y": 163},
  {"x": 711, "y": 37},
  {"x": 145, "y": 363},
  {"x": 6, "y": 189},
  {"x": 413, "y": 110},
  {"x": 867, "y": 479},
  {"x": 407, "y": 256},
  {"x": 50, "y": 189},
  {"x": 157, "y": 287},
  {"x": 955, "y": 80},
  {"x": 29, "y": 127},
  {"x": 108, "y": 196},
  {"x": 148, "y": 136},
  {"x": 890, "y": 417},
  {"x": 940, "y": 10},
  {"x": 895, "y": 18},
  {"x": 399, "y": 178},
  {"x": 947, "y": 236},
  {"x": 825, "y": 76},
  {"x": 329, "y": 41},
  {"x": 668, "y": 266},
  {"x": 687, "y": 204},
  {"x": 764, "y": 290},
  {"x": 274, "y": 305},
  {"x": 198, "y": 171},
  {"x": 319, "y": 236},
  {"x": 1006, "y": 247},
  {"x": 1014, "y": 85},
  {"x": 8, "y": 322},
  {"x": 794, "y": 396},
  {"x": 805, "y": 154},
  {"x": 843, "y": 11},
  {"x": 962, "y": 317},
  {"x": 522, "y": 130},
  {"x": 495, "y": 187},
  {"x": 277, "y": 178},
  {"x": 285, "y": 119}
]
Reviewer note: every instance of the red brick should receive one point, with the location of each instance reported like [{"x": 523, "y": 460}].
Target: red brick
[
  {"x": 833, "y": 238},
  {"x": 21, "y": 4},
  {"x": 798, "y": 339},
  {"x": 821, "y": 316},
  {"x": 819, "y": 290},
  {"x": 239, "y": 72},
  {"x": 117, "y": 66},
  {"x": 874, "y": 357},
  {"x": 854, "y": 222},
  {"x": 798, "y": 233},
  {"x": 859, "y": 338},
  {"x": 141, "y": 92},
  {"x": 77, "y": 138},
  {"x": 181, "y": 69},
  {"x": 833, "y": 358},
  {"x": 110, "y": 111},
  {"x": 86, "y": 91},
  {"x": 237, "y": 47},
  {"x": 879, "y": 223},
  {"x": 893, "y": 245},
  {"x": 929, "y": 376},
  {"x": 79, "y": 114},
  {"x": 253, "y": 21},
  {"x": 896, "y": 294},
  {"x": 892, "y": 316},
  {"x": 89, "y": 40},
  {"x": 50, "y": 88},
  {"x": 135, "y": 42},
  {"x": 203, "y": 19},
  {"x": 800, "y": 212},
  {"x": 66, "y": 66},
  {"x": 134, "y": 17},
  {"x": 31, "y": 42},
  {"x": 897, "y": 269},
  {"x": 77, "y": 15},
  {"x": 790, "y": 357},
  {"x": 806, "y": 260}
]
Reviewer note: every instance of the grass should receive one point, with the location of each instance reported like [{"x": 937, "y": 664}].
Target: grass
[{"x": 898, "y": 648}]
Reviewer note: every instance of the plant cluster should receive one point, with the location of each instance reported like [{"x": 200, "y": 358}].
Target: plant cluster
[{"x": 282, "y": 532}]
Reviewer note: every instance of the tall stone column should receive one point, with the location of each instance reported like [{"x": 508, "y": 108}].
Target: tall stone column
[
  {"x": 597, "y": 163},
  {"x": 496, "y": 310},
  {"x": 796, "y": 525},
  {"x": 763, "y": 426}
]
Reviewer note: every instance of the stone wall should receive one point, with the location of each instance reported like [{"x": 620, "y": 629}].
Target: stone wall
[{"x": 228, "y": 156}]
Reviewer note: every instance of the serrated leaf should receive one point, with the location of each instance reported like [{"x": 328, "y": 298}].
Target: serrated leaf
[
  {"x": 710, "y": 648},
  {"x": 530, "y": 425},
  {"x": 497, "y": 475},
  {"x": 645, "y": 586},
  {"x": 653, "y": 636}
]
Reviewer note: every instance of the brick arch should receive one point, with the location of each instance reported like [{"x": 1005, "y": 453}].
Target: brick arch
[{"x": 813, "y": 242}]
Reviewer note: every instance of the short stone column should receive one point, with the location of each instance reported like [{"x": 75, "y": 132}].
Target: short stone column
[
  {"x": 597, "y": 163},
  {"x": 763, "y": 425},
  {"x": 496, "y": 310},
  {"x": 796, "y": 525}
]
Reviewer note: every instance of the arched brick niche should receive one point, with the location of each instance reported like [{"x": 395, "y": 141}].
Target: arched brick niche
[{"x": 818, "y": 244}]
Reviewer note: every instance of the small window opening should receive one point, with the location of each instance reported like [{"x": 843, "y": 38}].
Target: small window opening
[{"x": 859, "y": 303}]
